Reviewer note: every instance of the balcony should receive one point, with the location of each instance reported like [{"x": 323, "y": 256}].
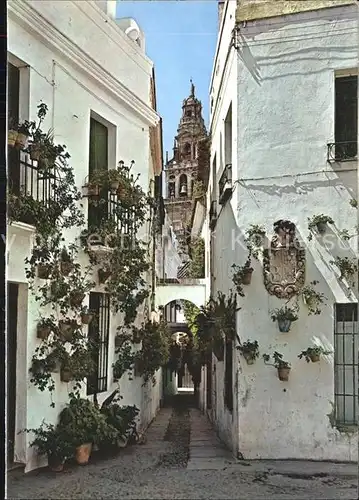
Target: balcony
[
  {"x": 213, "y": 214},
  {"x": 225, "y": 184},
  {"x": 25, "y": 179},
  {"x": 342, "y": 151}
]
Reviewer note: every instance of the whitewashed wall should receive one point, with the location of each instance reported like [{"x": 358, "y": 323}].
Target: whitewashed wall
[
  {"x": 283, "y": 119},
  {"x": 71, "y": 89}
]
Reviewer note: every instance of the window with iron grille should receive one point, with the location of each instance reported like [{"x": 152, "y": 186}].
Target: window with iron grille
[
  {"x": 346, "y": 363},
  {"x": 98, "y": 332},
  {"x": 228, "y": 376},
  {"x": 98, "y": 160},
  {"x": 345, "y": 147}
]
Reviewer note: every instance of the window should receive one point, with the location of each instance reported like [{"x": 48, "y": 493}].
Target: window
[
  {"x": 98, "y": 332},
  {"x": 98, "y": 160},
  {"x": 228, "y": 137},
  {"x": 346, "y": 118},
  {"x": 346, "y": 363},
  {"x": 228, "y": 376}
]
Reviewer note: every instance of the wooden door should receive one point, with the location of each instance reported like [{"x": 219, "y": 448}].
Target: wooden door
[{"x": 11, "y": 336}]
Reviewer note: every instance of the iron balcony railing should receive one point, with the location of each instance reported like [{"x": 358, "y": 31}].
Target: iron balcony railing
[
  {"x": 342, "y": 151},
  {"x": 225, "y": 184},
  {"x": 25, "y": 179}
]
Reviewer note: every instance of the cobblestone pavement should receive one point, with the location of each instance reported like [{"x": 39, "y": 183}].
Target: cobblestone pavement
[{"x": 183, "y": 459}]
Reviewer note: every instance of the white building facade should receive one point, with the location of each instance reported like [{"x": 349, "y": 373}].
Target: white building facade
[
  {"x": 284, "y": 131},
  {"x": 74, "y": 57}
]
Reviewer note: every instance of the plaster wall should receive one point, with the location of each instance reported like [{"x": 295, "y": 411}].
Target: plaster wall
[
  {"x": 72, "y": 98},
  {"x": 284, "y": 73}
]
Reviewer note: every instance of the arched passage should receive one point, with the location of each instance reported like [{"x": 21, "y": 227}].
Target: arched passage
[{"x": 192, "y": 290}]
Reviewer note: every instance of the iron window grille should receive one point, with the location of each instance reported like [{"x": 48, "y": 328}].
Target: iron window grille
[
  {"x": 213, "y": 214},
  {"x": 25, "y": 179},
  {"x": 346, "y": 364},
  {"x": 225, "y": 184},
  {"x": 228, "y": 376},
  {"x": 342, "y": 151},
  {"x": 98, "y": 333}
]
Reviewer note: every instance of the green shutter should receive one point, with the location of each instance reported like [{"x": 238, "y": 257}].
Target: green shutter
[{"x": 98, "y": 146}]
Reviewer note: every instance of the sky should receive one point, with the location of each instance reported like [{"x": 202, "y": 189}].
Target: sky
[{"x": 180, "y": 39}]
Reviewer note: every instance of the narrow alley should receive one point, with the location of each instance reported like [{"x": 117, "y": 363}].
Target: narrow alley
[{"x": 181, "y": 457}]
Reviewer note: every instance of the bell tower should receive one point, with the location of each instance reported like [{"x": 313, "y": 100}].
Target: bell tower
[{"x": 181, "y": 170}]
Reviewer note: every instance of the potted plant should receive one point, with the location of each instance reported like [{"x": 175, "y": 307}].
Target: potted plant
[
  {"x": 284, "y": 316},
  {"x": 86, "y": 316},
  {"x": 66, "y": 264},
  {"x": 313, "y": 354},
  {"x": 249, "y": 350},
  {"x": 92, "y": 187},
  {"x": 23, "y": 134},
  {"x": 113, "y": 180},
  {"x": 77, "y": 365},
  {"x": 86, "y": 425},
  {"x": 67, "y": 327},
  {"x": 76, "y": 297},
  {"x": 319, "y": 222},
  {"x": 348, "y": 268},
  {"x": 53, "y": 442},
  {"x": 44, "y": 328},
  {"x": 125, "y": 360},
  {"x": 44, "y": 271},
  {"x": 312, "y": 299},
  {"x": 242, "y": 276},
  {"x": 283, "y": 367}
]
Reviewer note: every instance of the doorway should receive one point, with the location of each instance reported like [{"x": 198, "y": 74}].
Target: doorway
[{"x": 11, "y": 348}]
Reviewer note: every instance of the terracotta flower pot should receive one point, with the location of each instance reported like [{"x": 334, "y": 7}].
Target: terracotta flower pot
[
  {"x": 67, "y": 329},
  {"x": 284, "y": 325},
  {"x": 21, "y": 140},
  {"x": 55, "y": 464},
  {"x": 321, "y": 227},
  {"x": 66, "y": 268},
  {"x": 76, "y": 299},
  {"x": 65, "y": 375},
  {"x": 248, "y": 357},
  {"x": 83, "y": 453},
  {"x": 43, "y": 271},
  {"x": 247, "y": 276},
  {"x": 11, "y": 138},
  {"x": 43, "y": 332},
  {"x": 283, "y": 374},
  {"x": 86, "y": 318},
  {"x": 35, "y": 152},
  {"x": 103, "y": 275},
  {"x": 314, "y": 358}
]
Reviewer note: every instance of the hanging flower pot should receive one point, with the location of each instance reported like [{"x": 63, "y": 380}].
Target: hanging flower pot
[
  {"x": 65, "y": 375},
  {"x": 284, "y": 325},
  {"x": 283, "y": 373},
  {"x": 91, "y": 190},
  {"x": 43, "y": 271},
  {"x": 55, "y": 464},
  {"x": 83, "y": 453},
  {"x": 11, "y": 138},
  {"x": 66, "y": 267},
  {"x": 103, "y": 275},
  {"x": 321, "y": 227},
  {"x": 249, "y": 358},
  {"x": 86, "y": 318},
  {"x": 314, "y": 358},
  {"x": 76, "y": 299},
  {"x": 247, "y": 276},
  {"x": 35, "y": 152},
  {"x": 67, "y": 329},
  {"x": 43, "y": 331}
]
